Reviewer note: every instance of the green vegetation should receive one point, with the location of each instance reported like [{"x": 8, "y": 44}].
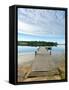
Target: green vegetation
[
  {"x": 61, "y": 73},
  {"x": 36, "y": 43}
]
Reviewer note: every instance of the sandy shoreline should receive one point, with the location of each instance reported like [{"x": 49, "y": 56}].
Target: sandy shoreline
[
  {"x": 22, "y": 59},
  {"x": 43, "y": 61}
]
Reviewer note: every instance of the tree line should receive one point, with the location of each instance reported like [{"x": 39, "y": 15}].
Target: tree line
[{"x": 36, "y": 43}]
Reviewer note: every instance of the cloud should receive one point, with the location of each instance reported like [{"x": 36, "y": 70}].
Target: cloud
[
  {"x": 41, "y": 22},
  {"x": 30, "y": 29}
]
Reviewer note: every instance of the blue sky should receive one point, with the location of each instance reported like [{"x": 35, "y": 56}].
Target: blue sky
[{"x": 41, "y": 25}]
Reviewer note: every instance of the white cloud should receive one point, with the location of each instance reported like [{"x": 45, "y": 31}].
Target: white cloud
[
  {"x": 30, "y": 29},
  {"x": 39, "y": 22}
]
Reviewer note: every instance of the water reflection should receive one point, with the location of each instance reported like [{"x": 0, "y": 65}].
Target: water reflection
[{"x": 34, "y": 50}]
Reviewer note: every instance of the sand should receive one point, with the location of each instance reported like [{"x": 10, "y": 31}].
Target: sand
[
  {"x": 41, "y": 66},
  {"x": 25, "y": 59}
]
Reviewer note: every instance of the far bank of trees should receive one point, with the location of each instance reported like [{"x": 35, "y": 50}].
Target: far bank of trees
[{"x": 36, "y": 43}]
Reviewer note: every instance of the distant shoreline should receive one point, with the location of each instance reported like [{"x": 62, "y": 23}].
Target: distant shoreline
[
  {"x": 37, "y": 43},
  {"x": 61, "y": 44}
]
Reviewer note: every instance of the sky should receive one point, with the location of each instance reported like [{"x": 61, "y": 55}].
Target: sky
[{"x": 41, "y": 25}]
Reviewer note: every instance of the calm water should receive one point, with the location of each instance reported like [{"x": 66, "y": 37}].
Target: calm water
[{"x": 31, "y": 50}]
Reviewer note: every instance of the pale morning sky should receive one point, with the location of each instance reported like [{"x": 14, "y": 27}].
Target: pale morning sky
[{"x": 41, "y": 25}]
